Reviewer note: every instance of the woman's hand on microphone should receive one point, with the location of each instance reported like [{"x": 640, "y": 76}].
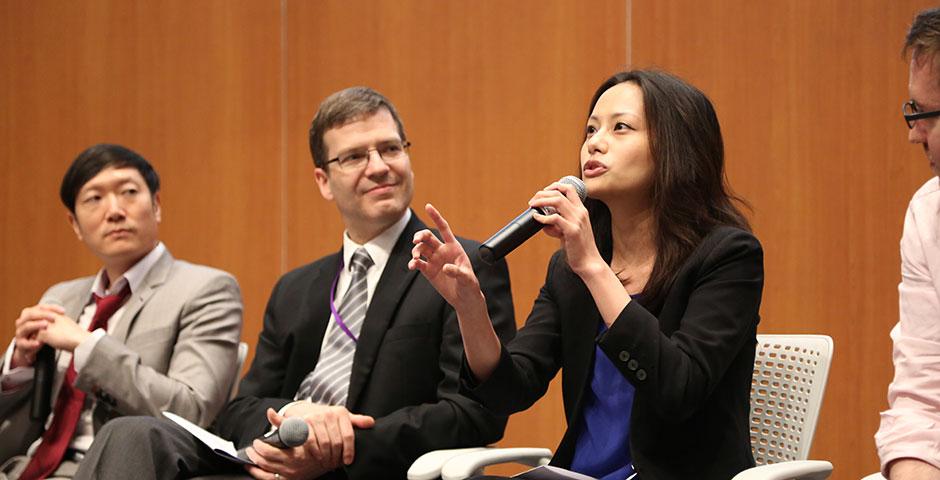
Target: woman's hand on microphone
[
  {"x": 446, "y": 265},
  {"x": 569, "y": 222}
]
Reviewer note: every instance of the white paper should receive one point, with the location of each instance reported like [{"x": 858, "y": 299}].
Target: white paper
[
  {"x": 219, "y": 445},
  {"x": 548, "y": 472}
]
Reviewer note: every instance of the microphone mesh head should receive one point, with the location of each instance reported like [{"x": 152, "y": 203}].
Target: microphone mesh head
[
  {"x": 293, "y": 432},
  {"x": 577, "y": 184}
]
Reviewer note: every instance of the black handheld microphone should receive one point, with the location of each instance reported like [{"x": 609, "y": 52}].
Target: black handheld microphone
[
  {"x": 521, "y": 228},
  {"x": 43, "y": 375},
  {"x": 292, "y": 433},
  {"x": 43, "y": 372}
]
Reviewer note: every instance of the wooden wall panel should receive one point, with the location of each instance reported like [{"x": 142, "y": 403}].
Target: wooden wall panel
[
  {"x": 192, "y": 86},
  {"x": 809, "y": 96},
  {"x": 493, "y": 95},
  {"x": 219, "y": 95}
]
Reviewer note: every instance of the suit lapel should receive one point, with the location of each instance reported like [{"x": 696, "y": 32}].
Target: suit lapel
[
  {"x": 579, "y": 329},
  {"x": 581, "y": 332},
  {"x": 312, "y": 323},
  {"x": 394, "y": 282},
  {"x": 74, "y": 304},
  {"x": 155, "y": 277}
]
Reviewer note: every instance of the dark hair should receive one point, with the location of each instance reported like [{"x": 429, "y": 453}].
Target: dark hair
[
  {"x": 690, "y": 195},
  {"x": 97, "y": 158},
  {"x": 923, "y": 38},
  {"x": 343, "y": 107}
]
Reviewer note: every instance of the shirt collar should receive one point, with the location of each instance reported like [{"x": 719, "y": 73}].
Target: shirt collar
[
  {"x": 380, "y": 247},
  {"x": 133, "y": 276}
]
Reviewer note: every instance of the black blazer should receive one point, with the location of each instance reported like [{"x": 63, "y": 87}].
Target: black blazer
[
  {"x": 690, "y": 363},
  {"x": 405, "y": 369}
]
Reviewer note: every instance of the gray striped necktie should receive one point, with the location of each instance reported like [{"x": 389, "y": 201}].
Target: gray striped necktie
[{"x": 328, "y": 383}]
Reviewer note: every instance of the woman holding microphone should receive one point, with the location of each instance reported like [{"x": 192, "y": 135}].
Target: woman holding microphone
[{"x": 650, "y": 307}]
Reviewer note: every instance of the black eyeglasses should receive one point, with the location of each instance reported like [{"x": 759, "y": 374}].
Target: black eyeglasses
[
  {"x": 911, "y": 113},
  {"x": 354, "y": 160}
]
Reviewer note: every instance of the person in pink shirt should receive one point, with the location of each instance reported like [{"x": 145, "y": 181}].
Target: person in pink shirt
[{"x": 908, "y": 439}]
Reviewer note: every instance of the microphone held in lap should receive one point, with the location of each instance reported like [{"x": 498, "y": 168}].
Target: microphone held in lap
[
  {"x": 293, "y": 432},
  {"x": 43, "y": 374}
]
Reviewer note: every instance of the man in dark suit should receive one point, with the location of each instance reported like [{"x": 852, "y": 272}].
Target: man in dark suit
[{"x": 362, "y": 348}]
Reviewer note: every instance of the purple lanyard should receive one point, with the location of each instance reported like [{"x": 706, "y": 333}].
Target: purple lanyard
[{"x": 339, "y": 318}]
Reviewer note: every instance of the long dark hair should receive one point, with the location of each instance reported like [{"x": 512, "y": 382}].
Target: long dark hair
[{"x": 690, "y": 195}]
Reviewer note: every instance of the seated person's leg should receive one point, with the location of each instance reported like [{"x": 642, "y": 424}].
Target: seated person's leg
[{"x": 144, "y": 448}]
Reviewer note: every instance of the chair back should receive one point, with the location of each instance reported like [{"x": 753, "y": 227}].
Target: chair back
[
  {"x": 790, "y": 373},
  {"x": 239, "y": 363}
]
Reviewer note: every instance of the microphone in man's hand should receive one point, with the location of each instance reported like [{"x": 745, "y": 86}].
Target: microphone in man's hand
[
  {"x": 43, "y": 374},
  {"x": 521, "y": 228},
  {"x": 292, "y": 433}
]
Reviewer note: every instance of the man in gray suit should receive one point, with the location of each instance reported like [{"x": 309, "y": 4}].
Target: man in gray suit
[{"x": 148, "y": 333}]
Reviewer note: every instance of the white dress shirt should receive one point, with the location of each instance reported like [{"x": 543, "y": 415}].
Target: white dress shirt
[{"x": 380, "y": 249}]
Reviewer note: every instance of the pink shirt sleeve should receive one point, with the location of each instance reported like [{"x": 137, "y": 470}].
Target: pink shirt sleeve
[{"x": 910, "y": 428}]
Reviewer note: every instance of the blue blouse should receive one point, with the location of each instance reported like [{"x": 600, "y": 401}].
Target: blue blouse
[{"x": 602, "y": 449}]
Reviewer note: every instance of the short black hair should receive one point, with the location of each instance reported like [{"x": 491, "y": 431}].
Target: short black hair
[{"x": 97, "y": 158}]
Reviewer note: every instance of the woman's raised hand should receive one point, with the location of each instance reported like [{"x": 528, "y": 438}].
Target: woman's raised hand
[{"x": 446, "y": 265}]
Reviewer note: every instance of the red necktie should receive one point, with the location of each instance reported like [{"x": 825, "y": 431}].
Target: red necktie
[{"x": 68, "y": 406}]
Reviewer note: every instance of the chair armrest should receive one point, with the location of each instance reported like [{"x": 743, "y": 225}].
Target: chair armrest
[
  {"x": 797, "y": 469},
  {"x": 429, "y": 465},
  {"x": 468, "y": 464},
  {"x": 874, "y": 476}
]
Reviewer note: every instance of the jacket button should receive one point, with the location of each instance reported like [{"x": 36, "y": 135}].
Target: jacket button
[
  {"x": 624, "y": 355},
  {"x": 641, "y": 374},
  {"x": 632, "y": 364}
]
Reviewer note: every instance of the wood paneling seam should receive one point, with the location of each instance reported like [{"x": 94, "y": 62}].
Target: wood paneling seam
[
  {"x": 283, "y": 165},
  {"x": 628, "y": 33}
]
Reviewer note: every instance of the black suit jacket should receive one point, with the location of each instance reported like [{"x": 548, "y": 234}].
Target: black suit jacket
[
  {"x": 405, "y": 369},
  {"x": 690, "y": 363}
]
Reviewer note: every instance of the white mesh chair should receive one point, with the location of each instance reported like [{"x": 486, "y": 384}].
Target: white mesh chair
[{"x": 790, "y": 373}]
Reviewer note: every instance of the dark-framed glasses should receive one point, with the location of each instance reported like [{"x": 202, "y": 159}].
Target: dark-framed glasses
[
  {"x": 912, "y": 113},
  {"x": 356, "y": 159}
]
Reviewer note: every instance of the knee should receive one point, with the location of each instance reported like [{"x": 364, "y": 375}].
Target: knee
[{"x": 129, "y": 429}]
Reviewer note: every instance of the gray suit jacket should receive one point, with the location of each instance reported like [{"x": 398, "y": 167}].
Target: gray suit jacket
[{"x": 174, "y": 349}]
